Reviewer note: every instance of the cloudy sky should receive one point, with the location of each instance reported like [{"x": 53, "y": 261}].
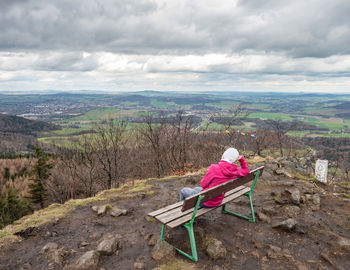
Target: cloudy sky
[{"x": 130, "y": 45}]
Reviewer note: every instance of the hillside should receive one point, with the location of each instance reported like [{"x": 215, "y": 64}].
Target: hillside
[
  {"x": 318, "y": 237},
  {"x": 19, "y": 125}
]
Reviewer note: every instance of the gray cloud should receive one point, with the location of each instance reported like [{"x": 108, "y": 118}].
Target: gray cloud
[
  {"x": 162, "y": 44},
  {"x": 296, "y": 28}
]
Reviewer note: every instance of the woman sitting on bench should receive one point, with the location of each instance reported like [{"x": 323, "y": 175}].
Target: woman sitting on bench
[{"x": 217, "y": 174}]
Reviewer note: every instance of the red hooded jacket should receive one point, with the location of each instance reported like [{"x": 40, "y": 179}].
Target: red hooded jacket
[{"x": 221, "y": 173}]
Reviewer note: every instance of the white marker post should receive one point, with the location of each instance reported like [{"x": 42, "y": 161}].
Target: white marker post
[{"x": 321, "y": 170}]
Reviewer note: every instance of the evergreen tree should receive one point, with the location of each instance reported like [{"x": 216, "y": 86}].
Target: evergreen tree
[
  {"x": 11, "y": 207},
  {"x": 7, "y": 174},
  {"x": 16, "y": 207},
  {"x": 41, "y": 173},
  {"x": 2, "y": 211}
]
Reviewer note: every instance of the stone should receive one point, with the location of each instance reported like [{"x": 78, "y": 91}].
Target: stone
[
  {"x": 274, "y": 252},
  {"x": 84, "y": 244},
  {"x": 234, "y": 256},
  {"x": 99, "y": 209},
  {"x": 283, "y": 172},
  {"x": 269, "y": 210},
  {"x": 56, "y": 256},
  {"x": 108, "y": 246},
  {"x": 255, "y": 254},
  {"x": 88, "y": 261},
  {"x": 162, "y": 251},
  {"x": 264, "y": 217},
  {"x": 292, "y": 211},
  {"x": 344, "y": 243},
  {"x": 139, "y": 265},
  {"x": 216, "y": 250},
  {"x": 116, "y": 212},
  {"x": 296, "y": 196},
  {"x": 288, "y": 224},
  {"x": 316, "y": 199},
  {"x": 49, "y": 247},
  {"x": 153, "y": 240},
  {"x": 325, "y": 256}
]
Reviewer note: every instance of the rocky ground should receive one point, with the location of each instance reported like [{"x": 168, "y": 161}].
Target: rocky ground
[{"x": 300, "y": 225}]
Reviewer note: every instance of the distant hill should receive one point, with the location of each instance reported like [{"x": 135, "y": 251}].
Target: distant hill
[{"x": 19, "y": 125}]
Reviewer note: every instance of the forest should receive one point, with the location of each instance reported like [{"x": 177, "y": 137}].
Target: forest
[{"x": 117, "y": 152}]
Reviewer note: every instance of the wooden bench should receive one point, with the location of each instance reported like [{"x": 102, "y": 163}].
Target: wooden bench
[{"x": 185, "y": 212}]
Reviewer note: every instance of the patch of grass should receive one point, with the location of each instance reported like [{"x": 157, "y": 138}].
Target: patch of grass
[
  {"x": 4, "y": 234},
  {"x": 151, "y": 193},
  {"x": 151, "y": 219},
  {"x": 346, "y": 195},
  {"x": 176, "y": 264},
  {"x": 345, "y": 184},
  {"x": 84, "y": 201},
  {"x": 303, "y": 177},
  {"x": 207, "y": 241},
  {"x": 140, "y": 186}
]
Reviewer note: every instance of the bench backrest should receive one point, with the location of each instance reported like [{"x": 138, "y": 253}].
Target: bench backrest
[{"x": 213, "y": 192}]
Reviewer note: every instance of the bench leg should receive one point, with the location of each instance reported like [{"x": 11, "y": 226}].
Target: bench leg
[
  {"x": 251, "y": 219},
  {"x": 189, "y": 227}
]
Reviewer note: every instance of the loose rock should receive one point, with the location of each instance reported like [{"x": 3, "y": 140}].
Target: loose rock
[
  {"x": 283, "y": 172},
  {"x": 99, "y": 209},
  {"x": 87, "y": 261},
  {"x": 264, "y": 217},
  {"x": 216, "y": 250},
  {"x": 162, "y": 251},
  {"x": 344, "y": 243},
  {"x": 116, "y": 212},
  {"x": 139, "y": 265},
  {"x": 153, "y": 240},
  {"x": 49, "y": 247},
  {"x": 292, "y": 210},
  {"x": 288, "y": 224},
  {"x": 109, "y": 245},
  {"x": 316, "y": 199}
]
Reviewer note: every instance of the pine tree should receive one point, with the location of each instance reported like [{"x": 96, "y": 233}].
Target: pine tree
[
  {"x": 41, "y": 173},
  {"x": 16, "y": 207},
  {"x": 2, "y": 211}
]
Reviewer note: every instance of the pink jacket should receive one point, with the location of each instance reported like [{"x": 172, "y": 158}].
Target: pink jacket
[{"x": 220, "y": 173}]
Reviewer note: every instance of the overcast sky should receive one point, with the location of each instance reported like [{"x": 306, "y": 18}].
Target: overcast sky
[{"x": 129, "y": 45}]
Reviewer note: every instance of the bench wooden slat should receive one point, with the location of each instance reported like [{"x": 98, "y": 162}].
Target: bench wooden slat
[
  {"x": 164, "y": 209},
  {"x": 213, "y": 192},
  {"x": 176, "y": 213},
  {"x": 202, "y": 211}
]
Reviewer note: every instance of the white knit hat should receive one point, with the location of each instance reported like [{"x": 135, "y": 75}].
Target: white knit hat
[{"x": 230, "y": 155}]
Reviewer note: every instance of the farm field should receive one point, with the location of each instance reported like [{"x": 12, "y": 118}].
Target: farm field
[{"x": 77, "y": 114}]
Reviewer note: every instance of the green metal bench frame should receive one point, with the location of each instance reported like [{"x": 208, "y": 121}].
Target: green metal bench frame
[{"x": 189, "y": 225}]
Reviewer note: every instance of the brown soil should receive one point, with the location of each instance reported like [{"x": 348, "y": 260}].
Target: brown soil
[{"x": 312, "y": 245}]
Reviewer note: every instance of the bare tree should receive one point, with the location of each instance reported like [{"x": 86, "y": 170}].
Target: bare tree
[
  {"x": 280, "y": 129},
  {"x": 108, "y": 143},
  {"x": 153, "y": 132},
  {"x": 261, "y": 140},
  {"x": 179, "y": 141}
]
